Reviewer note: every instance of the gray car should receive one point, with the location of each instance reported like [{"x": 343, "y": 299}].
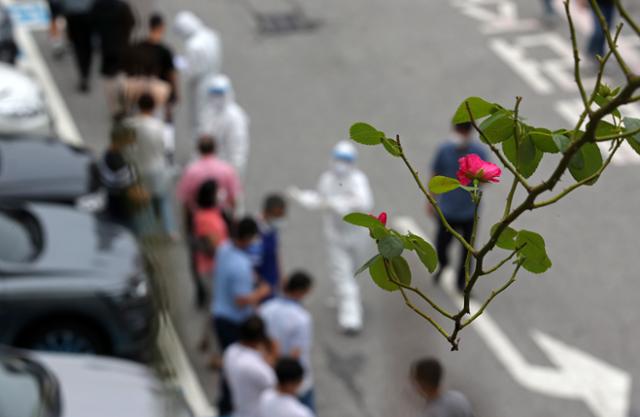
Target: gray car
[
  {"x": 44, "y": 169},
  {"x": 71, "y": 282},
  {"x": 65, "y": 385}
]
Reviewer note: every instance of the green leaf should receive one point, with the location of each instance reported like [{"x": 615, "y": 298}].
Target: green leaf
[
  {"x": 630, "y": 125},
  {"x": 363, "y": 220},
  {"x": 379, "y": 275},
  {"x": 392, "y": 147},
  {"x": 379, "y": 232},
  {"x": 498, "y": 127},
  {"x": 507, "y": 239},
  {"x": 543, "y": 140},
  {"x": 390, "y": 246},
  {"x": 533, "y": 253},
  {"x": 562, "y": 142},
  {"x": 441, "y": 185},
  {"x": 366, "y": 134},
  {"x": 479, "y": 109},
  {"x": 401, "y": 271},
  {"x": 366, "y": 265},
  {"x": 427, "y": 254},
  {"x": 528, "y": 157},
  {"x": 586, "y": 162},
  {"x": 606, "y": 129}
]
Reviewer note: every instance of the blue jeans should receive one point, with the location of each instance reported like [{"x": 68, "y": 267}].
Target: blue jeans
[
  {"x": 308, "y": 399},
  {"x": 597, "y": 42}
]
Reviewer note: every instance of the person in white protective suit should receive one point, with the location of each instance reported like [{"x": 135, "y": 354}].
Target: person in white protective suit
[
  {"x": 222, "y": 118},
  {"x": 202, "y": 59},
  {"x": 341, "y": 190}
]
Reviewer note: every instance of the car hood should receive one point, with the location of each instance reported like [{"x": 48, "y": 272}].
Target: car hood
[
  {"x": 78, "y": 244},
  {"x": 105, "y": 387},
  {"x": 43, "y": 169},
  {"x": 22, "y": 104}
]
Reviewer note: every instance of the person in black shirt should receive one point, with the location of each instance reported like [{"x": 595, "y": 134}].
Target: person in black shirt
[
  {"x": 113, "y": 21},
  {"x": 153, "y": 58}
]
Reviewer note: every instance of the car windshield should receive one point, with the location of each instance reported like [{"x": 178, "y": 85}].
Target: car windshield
[
  {"x": 19, "y": 389},
  {"x": 18, "y": 243}
]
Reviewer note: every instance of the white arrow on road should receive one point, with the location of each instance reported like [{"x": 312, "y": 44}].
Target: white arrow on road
[{"x": 576, "y": 375}]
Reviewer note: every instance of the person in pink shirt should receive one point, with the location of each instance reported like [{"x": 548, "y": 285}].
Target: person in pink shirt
[
  {"x": 209, "y": 167},
  {"x": 209, "y": 229}
]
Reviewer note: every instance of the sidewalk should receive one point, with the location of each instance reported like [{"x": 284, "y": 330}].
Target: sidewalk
[{"x": 181, "y": 326}]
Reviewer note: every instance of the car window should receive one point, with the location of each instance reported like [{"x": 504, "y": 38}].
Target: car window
[
  {"x": 19, "y": 390},
  {"x": 17, "y": 244}
]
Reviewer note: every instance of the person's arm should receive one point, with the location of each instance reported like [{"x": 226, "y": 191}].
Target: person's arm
[
  {"x": 239, "y": 140},
  {"x": 300, "y": 339},
  {"x": 436, "y": 169},
  {"x": 245, "y": 293}
]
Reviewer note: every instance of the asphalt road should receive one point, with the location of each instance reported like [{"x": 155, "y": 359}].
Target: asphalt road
[{"x": 405, "y": 66}]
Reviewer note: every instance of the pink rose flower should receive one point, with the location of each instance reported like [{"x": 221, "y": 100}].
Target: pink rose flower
[{"x": 472, "y": 167}]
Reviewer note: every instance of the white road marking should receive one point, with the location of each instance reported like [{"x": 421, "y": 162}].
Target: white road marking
[
  {"x": 168, "y": 340},
  {"x": 175, "y": 355},
  {"x": 497, "y": 16},
  {"x": 576, "y": 375},
  {"x": 35, "y": 64}
]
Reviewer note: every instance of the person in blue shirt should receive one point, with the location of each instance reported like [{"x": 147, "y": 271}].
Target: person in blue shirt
[
  {"x": 266, "y": 252},
  {"x": 237, "y": 291},
  {"x": 456, "y": 205}
]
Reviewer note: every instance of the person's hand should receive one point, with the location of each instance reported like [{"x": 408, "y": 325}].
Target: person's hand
[
  {"x": 262, "y": 291},
  {"x": 308, "y": 199}
]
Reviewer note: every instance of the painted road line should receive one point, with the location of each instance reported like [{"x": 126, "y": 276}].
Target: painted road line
[
  {"x": 176, "y": 357},
  {"x": 576, "y": 375},
  {"x": 63, "y": 122}
]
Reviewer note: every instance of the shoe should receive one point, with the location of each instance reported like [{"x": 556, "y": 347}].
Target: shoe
[
  {"x": 83, "y": 86},
  {"x": 351, "y": 331}
]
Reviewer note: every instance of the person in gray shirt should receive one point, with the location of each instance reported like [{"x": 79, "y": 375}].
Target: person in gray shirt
[{"x": 427, "y": 375}]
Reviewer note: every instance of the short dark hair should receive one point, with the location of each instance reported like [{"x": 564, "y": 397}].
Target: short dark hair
[
  {"x": 247, "y": 228},
  {"x": 146, "y": 102},
  {"x": 464, "y": 127},
  {"x": 252, "y": 330},
  {"x": 155, "y": 21},
  {"x": 289, "y": 370},
  {"x": 298, "y": 281},
  {"x": 207, "y": 194},
  {"x": 427, "y": 372},
  {"x": 206, "y": 145},
  {"x": 272, "y": 202}
]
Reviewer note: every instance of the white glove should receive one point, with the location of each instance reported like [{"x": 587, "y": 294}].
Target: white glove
[
  {"x": 308, "y": 199},
  {"x": 180, "y": 63}
]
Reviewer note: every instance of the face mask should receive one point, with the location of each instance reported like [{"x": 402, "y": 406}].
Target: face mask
[
  {"x": 278, "y": 224},
  {"x": 341, "y": 168},
  {"x": 459, "y": 141}
]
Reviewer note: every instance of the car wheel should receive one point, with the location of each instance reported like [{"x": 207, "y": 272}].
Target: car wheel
[{"x": 69, "y": 337}]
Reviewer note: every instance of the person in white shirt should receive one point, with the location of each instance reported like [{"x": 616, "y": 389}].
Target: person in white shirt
[
  {"x": 291, "y": 326},
  {"x": 148, "y": 157},
  {"x": 281, "y": 401},
  {"x": 247, "y": 367}
]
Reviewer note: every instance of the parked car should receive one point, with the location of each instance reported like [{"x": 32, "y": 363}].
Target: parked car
[
  {"x": 66, "y": 385},
  {"x": 71, "y": 282},
  {"x": 8, "y": 47},
  {"x": 44, "y": 169},
  {"x": 23, "y": 108}
]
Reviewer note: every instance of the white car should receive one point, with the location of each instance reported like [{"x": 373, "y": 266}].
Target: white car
[
  {"x": 22, "y": 105},
  {"x": 63, "y": 385}
]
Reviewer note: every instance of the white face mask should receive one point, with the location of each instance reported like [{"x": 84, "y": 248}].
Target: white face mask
[
  {"x": 459, "y": 140},
  {"x": 278, "y": 224},
  {"x": 341, "y": 168}
]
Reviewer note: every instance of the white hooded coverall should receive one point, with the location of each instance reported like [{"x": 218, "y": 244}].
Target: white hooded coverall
[
  {"x": 222, "y": 118},
  {"x": 202, "y": 55},
  {"x": 345, "y": 191}
]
